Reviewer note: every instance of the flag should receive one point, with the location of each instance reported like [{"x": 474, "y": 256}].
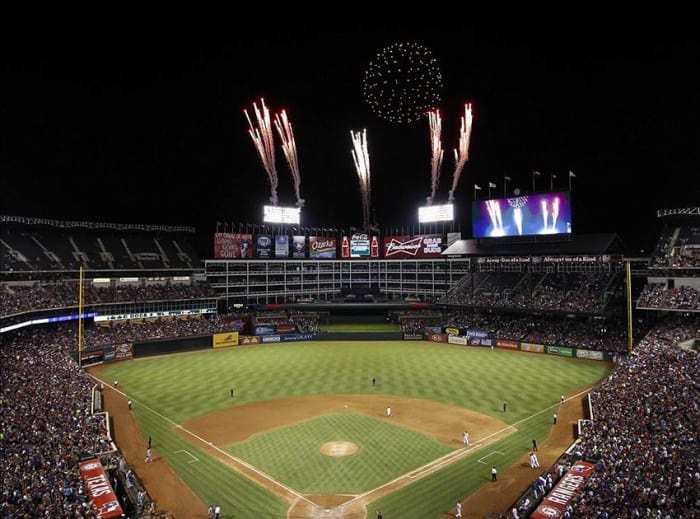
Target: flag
[
  {"x": 477, "y": 187},
  {"x": 491, "y": 184},
  {"x": 571, "y": 174},
  {"x": 536, "y": 173},
  {"x": 507, "y": 178}
]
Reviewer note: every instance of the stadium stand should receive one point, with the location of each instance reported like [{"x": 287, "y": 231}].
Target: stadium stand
[{"x": 551, "y": 293}]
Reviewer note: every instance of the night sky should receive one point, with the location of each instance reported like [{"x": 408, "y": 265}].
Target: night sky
[{"x": 153, "y": 132}]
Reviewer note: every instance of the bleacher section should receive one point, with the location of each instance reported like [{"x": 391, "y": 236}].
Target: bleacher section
[
  {"x": 673, "y": 282},
  {"x": 50, "y": 247},
  {"x": 641, "y": 435}
]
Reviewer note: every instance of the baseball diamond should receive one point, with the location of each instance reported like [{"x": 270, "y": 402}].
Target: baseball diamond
[{"x": 266, "y": 452}]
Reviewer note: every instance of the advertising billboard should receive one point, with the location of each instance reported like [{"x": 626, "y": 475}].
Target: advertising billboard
[
  {"x": 420, "y": 246},
  {"x": 263, "y": 246},
  {"x": 281, "y": 246},
  {"x": 298, "y": 247},
  {"x": 322, "y": 247},
  {"x": 233, "y": 245},
  {"x": 99, "y": 489}
]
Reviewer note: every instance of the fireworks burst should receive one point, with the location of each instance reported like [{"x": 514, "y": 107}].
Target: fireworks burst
[
  {"x": 289, "y": 147},
  {"x": 263, "y": 139},
  {"x": 402, "y": 83},
  {"x": 360, "y": 156},
  {"x": 462, "y": 154},
  {"x": 437, "y": 151}
]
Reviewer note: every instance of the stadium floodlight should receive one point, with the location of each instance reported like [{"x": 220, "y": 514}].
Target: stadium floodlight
[
  {"x": 436, "y": 213},
  {"x": 277, "y": 214}
]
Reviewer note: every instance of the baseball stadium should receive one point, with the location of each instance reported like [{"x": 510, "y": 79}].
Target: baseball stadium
[
  {"x": 387, "y": 373},
  {"x": 175, "y": 346}
]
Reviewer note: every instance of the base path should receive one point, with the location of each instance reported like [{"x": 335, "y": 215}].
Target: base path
[{"x": 442, "y": 421}]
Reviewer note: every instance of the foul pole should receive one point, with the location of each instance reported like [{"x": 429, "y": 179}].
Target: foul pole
[
  {"x": 628, "y": 273},
  {"x": 80, "y": 319}
]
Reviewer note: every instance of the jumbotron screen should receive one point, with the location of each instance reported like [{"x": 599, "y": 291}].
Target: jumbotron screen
[{"x": 524, "y": 215}]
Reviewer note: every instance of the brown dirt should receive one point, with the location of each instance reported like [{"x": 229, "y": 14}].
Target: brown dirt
[
  {"x": 338, "y": 449},
  {"x": 442, "y": 421}
]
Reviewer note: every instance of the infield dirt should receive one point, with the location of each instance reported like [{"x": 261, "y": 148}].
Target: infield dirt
[{"x": 442, "y": 421}]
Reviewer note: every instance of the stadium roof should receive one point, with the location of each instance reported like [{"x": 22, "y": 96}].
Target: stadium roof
[{"x": 605, "y": 243}]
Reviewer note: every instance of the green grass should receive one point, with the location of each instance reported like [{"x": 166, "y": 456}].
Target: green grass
[
  {"x": 380, "y": 456},
  {"x": 361, "y": 327},
  {"x": 181, "y": 387}
]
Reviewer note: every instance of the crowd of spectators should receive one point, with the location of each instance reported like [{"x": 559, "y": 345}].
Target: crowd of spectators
[
  {"x": 47, "y": 422},
  {"x": 572, "y": 292},
  {"x": 643, "y": 432},
  {"x": 19, "y": 298},
  {"x": 678, "y": 247},
  {"x": 660, "y": 296},
  {"x": 590, "y": 333}
]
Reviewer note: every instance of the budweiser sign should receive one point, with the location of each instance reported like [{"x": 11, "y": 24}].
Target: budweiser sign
[
  {"x": 422, "y": 246},
  {"x": 402, "y": 245}
]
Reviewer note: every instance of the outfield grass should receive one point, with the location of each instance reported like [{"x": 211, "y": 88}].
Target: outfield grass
[
  {"x": 361, "y": 327},
  {"x": 172, "y": 389}
]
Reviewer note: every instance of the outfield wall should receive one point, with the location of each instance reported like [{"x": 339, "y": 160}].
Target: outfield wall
[
  {"x": 184, "y": 344},
  {"x": 358, "y": 336}
]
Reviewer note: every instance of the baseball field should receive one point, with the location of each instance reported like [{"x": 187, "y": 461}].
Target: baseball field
[{"x": 306, "y": 433}]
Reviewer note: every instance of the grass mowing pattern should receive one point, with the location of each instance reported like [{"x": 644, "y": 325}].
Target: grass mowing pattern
[
  {"x": 291, "y": 454},
  {"x": 364, "y": 327},
  {"x": 183, "y": 386}
]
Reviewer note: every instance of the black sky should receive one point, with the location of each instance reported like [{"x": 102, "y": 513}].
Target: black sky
[{"x": 149, "y": 131}]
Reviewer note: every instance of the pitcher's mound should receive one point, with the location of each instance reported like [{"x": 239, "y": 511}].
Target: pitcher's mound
[{"x": 338, "y": 448}]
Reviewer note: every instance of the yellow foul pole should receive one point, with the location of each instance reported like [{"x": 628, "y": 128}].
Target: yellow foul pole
[
  {"x": 628, "y": 273},
  {"x": 80, "y": 318}
]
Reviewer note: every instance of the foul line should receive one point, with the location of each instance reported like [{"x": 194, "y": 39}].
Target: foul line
[
  {"x": 212, "y": 446},
  {"x": 456, "y": 455},
  {"x": 420, "y": 472}
]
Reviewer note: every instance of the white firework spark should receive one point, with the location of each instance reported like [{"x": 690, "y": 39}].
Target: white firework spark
[
  {"x": 462, "y": 156},
  {"x": 437, "y": 152},
  {"x": 289, "y": 147},
  {"x": 264, "y": 143},
  {"x": 360, "y": 156}
]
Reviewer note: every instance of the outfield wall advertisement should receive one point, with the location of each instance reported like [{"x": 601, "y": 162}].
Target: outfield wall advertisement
[
  {"x": 532, "y": 348},
  {"x": 589, "y": 354},
  {"x": 503, "y": 343},
  {"x": 222, "y": 340},
  {"x": 560, "y": 350},
  {"x": 480, "y": 341}
]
